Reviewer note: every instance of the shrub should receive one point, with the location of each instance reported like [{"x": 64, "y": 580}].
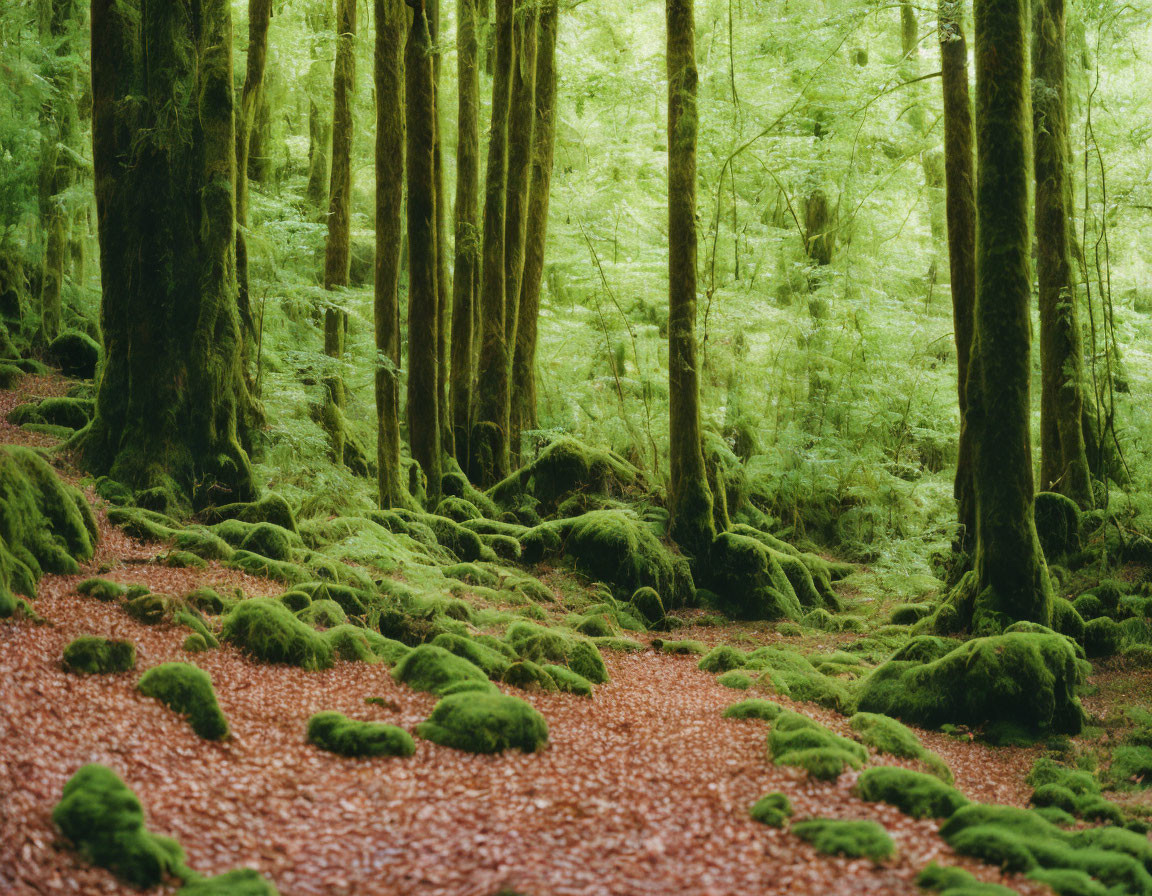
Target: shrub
[
  {"x": 187, "y": 689},
  {"x": 913, "y": 793},
  {"x": 853, "y": 839},
  {"x": 268, "y": 631},
  {"x": 336, "y": 733},
  {"x": 485, "y": 723},
  {"x": 89, "y": 655}
]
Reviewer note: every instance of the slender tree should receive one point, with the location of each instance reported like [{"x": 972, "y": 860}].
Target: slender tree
[
  {"x": 390, "y": 151},
  {"x": 319, "y": 19},
  {"x": 1011, "y": 578},
  {"x": 423, "y": 295},
  {"x": 960, "y": 200},
  {"x": 443, "y": 270},
  {"x": 164, "y": 152},
  {"x": 1063, "y": 460},
  {"x": 544, "y": 142},
  {"x": 489, "y": 441},
  {"x": 690, "y": 499},
  {"x": 521, "y": 121}
]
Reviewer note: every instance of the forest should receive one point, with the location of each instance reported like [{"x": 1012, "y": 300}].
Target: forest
[{"x": 556, "y": 447}]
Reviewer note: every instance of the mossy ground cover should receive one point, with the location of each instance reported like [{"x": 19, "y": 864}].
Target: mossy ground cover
[
  {"x": 484, "y": 722},
  {"x": 187, "y": 690},
  {"x": 336, "y": 733},
  {"x": 863, "y": 839}
]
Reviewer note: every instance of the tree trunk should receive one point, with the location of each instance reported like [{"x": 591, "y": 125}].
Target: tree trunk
[
  {"x": 544, "y": 143},
  {"x": 443, "y": 274},
  {"x": 690, "y": 499},
  {"x": 1011, "y": 576},
  {"x": 960, "y": 186},
  {"x": 319, "y": 122},
  {"x": 259, "y": 16},
  {"x": 467, "y": 259},
  {"x": 1063, "y": 460},
  {"x": 164, "y": 150},
  {"x": 389, "y": 79},
  {"x": 488, "y": 444},
  {"x": 423, "y": 295}
]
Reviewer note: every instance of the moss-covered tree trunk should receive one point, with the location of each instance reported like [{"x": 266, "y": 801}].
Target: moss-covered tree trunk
[
  {"x": 259, "y": 17},
  {"x": 443, "y": 271},
  {"x": 544, "y": 143},
  {"x": 319, "y": 19},
  {"x": 1063, "y": 460},
  {"x": 467, "y": 229},
  {"x": 488, "y": 445},
  {"x": 690, "y": 499},
  {"x": 390, "y": 151},
  {"x": 423, "y": 294},
  {"x": 960, "y": 199},
  {"x": 164, "y": 151},
  {"x": 1011, "y": 576}
]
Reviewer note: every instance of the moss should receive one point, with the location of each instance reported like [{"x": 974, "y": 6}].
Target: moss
[
  {"x": 798, "y": 740},
  {"x": 764, "y": 710},
  {"x": 10, "y": 376},
  {"x": 184, "y": 560},
  {"x": 1089, "y": 606},
  {"x": 323, "y": 614},
  {"x": 458, "y": 509},
  {"x": 268, "y": 540},
  {"x": 105, "y": 822},
  {"x": 541, "y": 644},
  {"x": 1026, "y": 679},
  {"x": 792, "y": 675},
  {"x": 336, "y": 733},
  {"x": 1055, "y": 795},
  {"x": 748, "y": 580},
  {"x": 361, "y": 645},
  {"x": 271, "y": 508},
  {"x": 296, "y": 600},
  {"x": 203, "y": 543},
  {"x": 913, "y": 793},
  {"x": 886, "y": 735},
  {"x": 88, "y": 655},
  {"x": 736, "y": 680},
  {"x": 149, "y": 609},
  {"x": 853, "y": 839},
  {"x": 772, "y": 809},
  {"x": 681, "y": 648},
  {"x": 647, "y": 605},
  {"x": 951, "y": 881},
  {"x": 485, "y": 723},
  {"x": 70, "y": 413},
  {"x": 187, "y": 690},
  {"x": 723, "y": 658},
  {"x": 623, "y": 645},
  {"x": 528, "y": 676},
  {"x": 1057, "y": 525},
  {"x": 1131, "y": 766},
  {"x": 568, "y": 681},
  {"x": 240, "y": 882},
  {"x": 908, "y": 614},
  {"x": 268, "y": 631},
  {"x": 1102, "y": 637},
  {"x": 195, "y": 643},
  {"x": 1047, "y": 771},
  {"x": 1068, "y": 882},
  {"x": 102, "y": 589},
  {"x": 492, "y": 661},
  {"x": 1067, "y": 620},
  {"x": 75, "y": 353},
  {"x": 429, "y": 668},
  {"x": 207, "y": 600}
]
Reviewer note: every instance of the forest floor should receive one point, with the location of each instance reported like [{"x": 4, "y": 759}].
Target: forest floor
[{"x": 643, "y": 789}]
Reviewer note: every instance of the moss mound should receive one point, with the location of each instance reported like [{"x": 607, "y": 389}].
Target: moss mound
[
  {"x": 528, "y": 676},
  {"x": 91, "y": 655},
  {"x": 485, "y": 723},
  {"x": 102, "y": 590},
  {"x": 105, "y": 821},
  {"x": 737, "y": 680},
  {"x": 1102, "y": 637},
  {"x": 268, "y": 540},
  {"x": 272, "y": 508},
  {"x": 336, "y": 733},
  {"x": 187, "y": 689},
  {"x": 853, "y": 839},
  {"x": 430, "y": 668},
  {"x": 1024, "y": 679},
  {"x": 568, "y": 681},
  {"x": 492, "y": 661},
  {"x": 950, "y": 881},
  {"x": 773, "y": 809},
  {"x": 267, "y": 630},
  {"x": 75, "y": 353},
  {"x": 322, "y": 614},
  {"x": 1057, "y": 525},
  {"x": 240, "y": 882},
  {"x": 65, "y": 413},
  {"x": 886, "y": 735},
  {"x": 546, "y": 645},
  {"x": 798, "y": 740},
  {"x": 646, "y": 604},
  {"x": 723, "y": 658},
  {"x": 764, "y": 710},
  {"x": 913, "y": 793},
  {"x": 793, "y": 675}
]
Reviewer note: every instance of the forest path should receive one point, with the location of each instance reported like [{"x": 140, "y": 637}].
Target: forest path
[{"x": 643, "y": 789}]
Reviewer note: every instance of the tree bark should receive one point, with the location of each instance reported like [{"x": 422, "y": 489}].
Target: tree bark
[
  {"x": 164, "y": 150},
  {"x": 690, "y": 498},
  {"x": 423, "y": 294},
  {"x": 443, "y": 273},
  {"x": 1011, "y": 576},
  {"x": 488, "y": 444},
  {"x": 467, "y": 258},
  {"x": 544, "y": 143},
  {"x": 319, "y": 18},
  {"x": 960, "y": 197},
  {"x": 390, "y": 153},
  {"x": 1063, "y": 460}
]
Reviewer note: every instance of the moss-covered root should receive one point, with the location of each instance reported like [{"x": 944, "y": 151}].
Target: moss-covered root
[
  {"x": 267, "y": 630},
  {"x": 241, "y": 882},
  {"x": 336, "y": 733},
  {"x": 885, "y": 735},
  {"x": 105, "y": 822},
  {"x": 772, "y": 809},
  {"x": 913, "y": 793},
  {"x": 187, "y": 689},
  {"x": 485, "y": 722},
  {"x": 92, "y": 655},
  {"x": 853, "y": 839}
]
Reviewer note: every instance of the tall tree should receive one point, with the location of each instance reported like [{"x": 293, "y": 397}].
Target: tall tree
[
  {"x": 259, "y": 17},
  {"x": 1063, "y": 460},
  {"x": 521, "y": 121},
  {"x": 319, "y": 19},
  {"x": 960, "y": 200},
  {"x": 544, "y": 143},
  {"x": 690, "y": 498},
  {"x": 489, "y": 441},
  {"x": 467, "y": 224},
  {"x": 164, "y": 151},
  {"x": 930, "y": 161},
  {"x": 1011, "y": 577},
  {"x": 423, "y": 294},
  {"x": 390, "y": 153}
]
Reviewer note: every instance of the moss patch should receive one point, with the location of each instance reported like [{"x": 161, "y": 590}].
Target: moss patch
[
  {"x": 187, "y": 689},
  {"x": 853, "y": 839},
  {"x": 430, "y": 668},
  {"x": 267, "y": 630},
  {"x": 913, "y": 793},
  {"x": 91, "y": 655},
  {"x": 485, "y": 723},
  {"x": 240, "y": 882},
  {"x": 798, "y": 740},
  {"x": 336, "y": 733},
  {"x": 764, "y": 710},
  {"x": 886, "y": 735},
  {"x": 773, "y": 809}
]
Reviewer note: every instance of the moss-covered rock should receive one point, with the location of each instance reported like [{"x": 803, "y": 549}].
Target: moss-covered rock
[
  {"x": 798, "y": 740},
  {"x": 485, "y": 723},
  {"x": 913, "y": 793},
  {"x": 793, "y": 675},
  {"x": 688, "y": 647},
  {"x": 886, "y": 735},
  {"x": 267, "y": 630},
  {"x": 75, "y": 353},
  {"x": 92, "y": 655},
  {"x": 271, "y": 508},
  {"x": 102, "y": 590},
  {"x": 748, "y": 580},
  {"x": 568, "y": 681},
  {"x": 336, "y": 733},
  {"x": 1067, "y": 620},
  {"x": 105, "y": 822},
  {"x": 545, "y": 645},
  {"x": 1057, "y": 525},
  {"x": 763, "y": 710},
  {"x": 195, "y": 643},
  {"x": 737, "y": 680},
  {"x": 647, "y": 605},
  {"x": 772, "y": 809},
  {"x": 1102, "y": 637},
  {"x": 187, "y": 689},
  {"x": 69, "y": 413},
  {"x": 208, "y": 600},
  {"x": 530, "y": 676},
  {"x": 853, "y": 839},
  {"x": 268, "y": 540},
  {"x": 239, "y": 882},
  {"x": 909, "y": 614},
  {"x": 952, "y": 881},
  {"x": 493, "y": 662},
  {"x": 432, "y": 669},
  {"x": 323, "y": 614},
  {"x": 723, "y": 658},
  {"x": 1131, "y": 766}
]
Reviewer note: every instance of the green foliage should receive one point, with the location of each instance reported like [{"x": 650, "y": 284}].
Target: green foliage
[
  {"x": 187, "y": 690},
  {"x": 267, "y": 630},
  {"x": 853, "y": 839},
  {"x": 89, "y": 655},
  {"x": 772, "y": 809},
  {"x": 913, "y": 793},
  {"x": 336, "y": 733},
  {"x": 433, "y": 669},
  {"x": 485, "y": 723}
]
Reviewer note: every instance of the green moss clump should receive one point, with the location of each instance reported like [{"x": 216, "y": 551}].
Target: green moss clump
[
  {"x": 75, "y": 353},
  {"x": 267, "y": 630},
  {"x": 1131, "y": 766},
  {"x": 801, "y": 741},
  {"x": 336, "y": 733},
  {"x": 545, "y": 645},
  {"x": 1089, "y": 606},
  {"x": 748, "y": 580},
  {"x": 102, "y": 590},
  {"x": 913, "y": 793},
  {"x": 950, "y": 881},
  {"x": 323, "y": 614},
  {"x": 150, "y": 609},
  {"x": 1102, "y": 637},
  {"x": 361, "y": 645},
  {"x": 187, "y": 689},
  {"x": 268, "y": 540},
  {"x": 793, "y": 675},
  {"x": 723, "y": 658},
  {"x": 458, "y": 509},
  {"x": 568, "y": 681},
  {"x": 1057, "y": 525},
  {"x": 432, "y": 669},
  {"x": 773, "y": 809},
  {"x": 195, "y": 643},
  {"x": 239, "y": 882},
  {"x": 492, "y": 661},
  {"x": 105, "y": 821},
  {"x": 680, "y": 648},
  {"x": 528, "y": 676},
  {"x": 90, "y": 655},
  {"x": 647, "y": 605},
  {"x": 296, "y": 600},
  {"x": 70, "y": 413},
  {"x": 485, "y": 723},
  {"x": 737, "y": 680},
  {"x": 764, "y": 710},
  {"x": 853, "y": 839},
  {"x": 886, "y": 735},
  {"x": 206, "y": 600},
  {"x": 271, "y": 508}
]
